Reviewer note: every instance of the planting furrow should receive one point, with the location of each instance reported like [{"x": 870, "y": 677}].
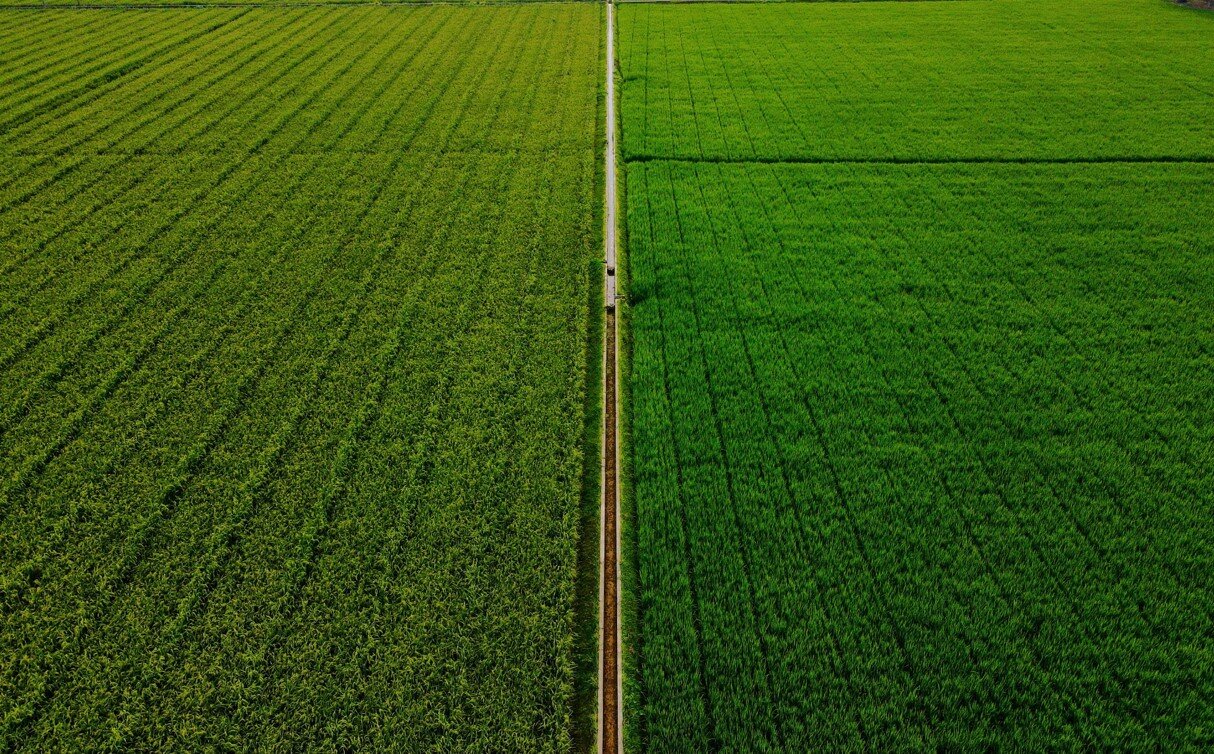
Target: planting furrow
[
  {"x": 44, "y": 45},
  {"x": 763, "y": 412},
  {"x": 196, "y": 125},
  {"x": 1103, "y": 566},
  {"x": 1104, "y": 386},
  {"x": 56, "y": 66},
  {"x": 298, "y": 342},
  {"x": 38, "y": 203},
  {"x": 199, "y": 580},
  {"x": 228, "y": 532},
  {"x": 29, "y": 334},
  {"x": 27, "y": 32},
  {"x": 793, "y": 379},
  {"x": 301, "y": 569},
  {"x": 1046, "y": 479},
  {"x": 251, "y": 188},
  {"x": 44, "y": 328},
  {"x": 870, "y": 348},
  {"x": 387, "y": 352},
  {"x": 985, "y": 559},
  {"x": 1079, "y": 577},
  {"x": 99, "y": 84},
  {"x": 670, "y": 602},
  {"x": 280, "y": 247},
  {"x": 401, "y": 543},
  {"x": 734, "y": 654},
  {"x": 306, "y": 573},
  {"x": 165, "y": 502},
  {"x": 161, "y": 91}
]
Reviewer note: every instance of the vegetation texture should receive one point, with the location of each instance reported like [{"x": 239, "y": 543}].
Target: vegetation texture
[
  {"x": 281, "y": 4},
  {"x": 923, "y": 453},
  {"x": 293, "y": 332},
  {"x": 1022, "y": 80}
]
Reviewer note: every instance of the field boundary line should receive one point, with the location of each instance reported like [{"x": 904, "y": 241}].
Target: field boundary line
[
  {"x": 1198, "y": 159},
  {"x": 611, "y": 716}
]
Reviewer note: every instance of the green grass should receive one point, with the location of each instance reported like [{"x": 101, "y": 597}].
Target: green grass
[
  {"x": 293, "y": 333},
  {"x": 922, "y": 452}
]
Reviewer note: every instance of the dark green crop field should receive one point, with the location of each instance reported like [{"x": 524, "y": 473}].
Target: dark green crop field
[
  {"x": 294, "y": 313},
  {"x": 923, "y": 453}
]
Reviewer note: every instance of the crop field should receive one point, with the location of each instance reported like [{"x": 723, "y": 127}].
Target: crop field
[
  {"x": 922, "y": 375},
  {"x": 294, "y": 323},
  {"x": 298, "y": 4},
  {"x": 1022, "y": 80},
  {"x": 300, "y": 323}
]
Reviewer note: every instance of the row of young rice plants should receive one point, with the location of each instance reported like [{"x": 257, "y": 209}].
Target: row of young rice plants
[
  {"x": 935, "y": 80},
  {"x": 921, "y": 375},
  {"x": 294, "y": 339},
  {"x": 922, "y": 455}
]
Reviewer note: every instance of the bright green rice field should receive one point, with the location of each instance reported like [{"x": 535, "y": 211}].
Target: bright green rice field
[
  {"x": 294, "y": 332},
  {"x": 922, "y": 309}
]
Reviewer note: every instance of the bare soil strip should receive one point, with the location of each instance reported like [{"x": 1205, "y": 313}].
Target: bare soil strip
[{"x": 610, "y": 727}]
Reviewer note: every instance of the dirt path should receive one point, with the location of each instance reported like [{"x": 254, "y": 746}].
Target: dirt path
[
  {"x": 610, "y": 728},
  {"x": 610, "y": 712}
]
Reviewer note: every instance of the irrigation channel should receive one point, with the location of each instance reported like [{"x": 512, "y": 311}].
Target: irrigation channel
[{"x": 611, "y": 723}]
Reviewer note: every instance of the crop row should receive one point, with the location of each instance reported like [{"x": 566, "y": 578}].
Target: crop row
[
  {"x": 921, "y": 455},
  {"x": 294, "y": 337}
]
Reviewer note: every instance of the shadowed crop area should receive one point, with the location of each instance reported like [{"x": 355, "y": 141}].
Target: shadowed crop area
[
  {"x": 922, "y": 452},
  {"x": 293, "y": 340}
]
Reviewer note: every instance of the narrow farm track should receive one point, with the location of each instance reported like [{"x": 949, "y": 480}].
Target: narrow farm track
[
  {"x": 610, "y": 685},
  {"x": 611, "y": 733}
]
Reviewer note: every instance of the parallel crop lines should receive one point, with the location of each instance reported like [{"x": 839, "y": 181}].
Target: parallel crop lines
[
  {"x": 39, "y": 41},
  {"x": 40, "y": 332},
  {"x": 818, "y": 61},
  {"x": 921, "y": 367},
  {"x": 34, "y": 217},
  {"x": 139, "y": 178},
  {"x": 889, "y": 389},
  {"x": 265, "y": 288},
  {"x": 234, "y": 200},
  {"x": 164, "y": 504},
  {"x": 67, "y": 88},
  {"x": 166, "y": 643},
  {"x": 64, "y": 57},
  {"x": 435, "y": 427}
]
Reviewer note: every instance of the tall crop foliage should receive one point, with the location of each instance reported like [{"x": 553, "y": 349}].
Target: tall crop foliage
[
  {"x": 292, "y": 356},
  {"x": 921, "y": 303}
]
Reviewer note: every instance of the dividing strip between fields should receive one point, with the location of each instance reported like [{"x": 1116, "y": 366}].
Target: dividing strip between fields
[
  {"x": 1196, "y": 159},
  {"x": 611, "y": 719}
]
